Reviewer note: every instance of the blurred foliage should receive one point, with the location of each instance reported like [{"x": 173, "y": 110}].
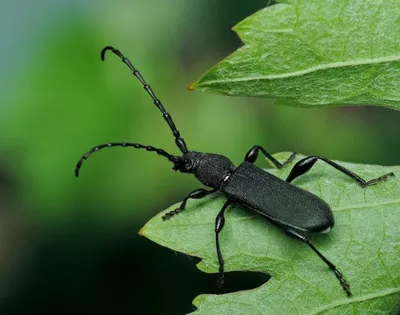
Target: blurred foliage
[{"x": 81, "y": 248}]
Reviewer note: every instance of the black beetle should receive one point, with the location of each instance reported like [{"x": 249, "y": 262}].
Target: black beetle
[{"x": 291, "y": 208}]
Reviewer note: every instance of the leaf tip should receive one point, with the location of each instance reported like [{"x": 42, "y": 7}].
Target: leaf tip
[
  {"x": 142, "y": 231},
  {"x": 192, "y": 87}
]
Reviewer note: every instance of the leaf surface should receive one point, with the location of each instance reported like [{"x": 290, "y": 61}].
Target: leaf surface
[
  {"x": 315, "y": 53},
  {"x": 364, "y": 244}
]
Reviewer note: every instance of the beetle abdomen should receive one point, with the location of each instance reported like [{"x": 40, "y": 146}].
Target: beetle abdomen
[{"x": 277, "y": 200}]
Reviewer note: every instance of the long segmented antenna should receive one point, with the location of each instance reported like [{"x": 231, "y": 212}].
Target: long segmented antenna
[
  {"x": 122, "y": 144},
  {"x": 180, "y": 142}
]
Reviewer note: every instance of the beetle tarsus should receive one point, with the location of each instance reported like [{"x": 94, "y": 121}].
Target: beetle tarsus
[
  {"x": 195, "y": 194},
  {"x": 170, "y": 214},
  {"x": 289, "y": 160},
  {"x": 252, "y": 155},
  {"x": 379, "y": 179},
  {"x": 343, "y": 282}
]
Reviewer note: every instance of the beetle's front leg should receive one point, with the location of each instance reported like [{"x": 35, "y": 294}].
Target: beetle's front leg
[
  {"x": 195, "y": 194},
  {"x": 252, "y": 156},
  {"x": 219, "y": 224}
]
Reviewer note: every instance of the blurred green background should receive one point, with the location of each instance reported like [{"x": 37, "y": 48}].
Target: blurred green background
[{"x": 70, "y": 245}]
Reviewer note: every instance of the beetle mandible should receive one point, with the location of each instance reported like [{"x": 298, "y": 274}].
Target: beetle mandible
[{"x": 292, "y": 209}]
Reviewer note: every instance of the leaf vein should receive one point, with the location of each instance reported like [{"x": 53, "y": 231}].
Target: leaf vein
[
  {"x": 350, "y": 63},
  {"x": 361, "y": 298}
]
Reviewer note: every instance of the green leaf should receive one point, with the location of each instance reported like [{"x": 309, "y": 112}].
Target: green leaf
[
  {"x": 364, "y": 244},
  {"x": 311, "y": 53}
]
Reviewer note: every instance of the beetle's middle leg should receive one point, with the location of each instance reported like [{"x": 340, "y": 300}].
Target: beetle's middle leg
[
  {"x": 195, "y": 194},
  {"x": 252, "y": 156},
  {"x": 338, "y": 274},
  {"x": 219, "y": 224},
  {"x": 305, "y": 164}
]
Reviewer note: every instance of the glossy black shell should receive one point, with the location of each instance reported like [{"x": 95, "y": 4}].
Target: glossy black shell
[{"x": 277, "y": 200}]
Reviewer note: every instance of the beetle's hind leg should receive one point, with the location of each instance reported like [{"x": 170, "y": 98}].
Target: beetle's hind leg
[
  {"x": 219, "y": 224},
  {"x": 252, "y": 156},
  {"x": 338, "y": 274},
  {"x": 305, "y": 164},
  {"x": 195, "y": 194}
]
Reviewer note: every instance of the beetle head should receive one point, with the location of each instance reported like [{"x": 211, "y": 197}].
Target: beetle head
[{"x": 210, "y": 169}]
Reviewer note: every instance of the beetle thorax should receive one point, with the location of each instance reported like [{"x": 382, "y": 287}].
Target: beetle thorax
[{"x": 210, "y": 169}]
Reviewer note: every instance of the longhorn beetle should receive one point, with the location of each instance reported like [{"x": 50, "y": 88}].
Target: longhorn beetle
[{"x": 294, "y": 210}]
